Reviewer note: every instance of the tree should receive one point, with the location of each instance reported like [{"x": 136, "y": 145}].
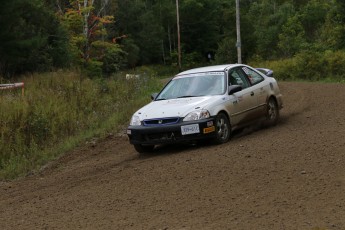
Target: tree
[
  {"x": 200, "y": 30},
  {"x": 85, "y": 24},
  {"x": 149, "y": 26},
  {"x": 340, "y": 21},
  {"x": 31, "y": 38},
  {"x": 313, "y": 16},
  {"x": 292, "y": 38},
  {"x": 267, "y": 19}
]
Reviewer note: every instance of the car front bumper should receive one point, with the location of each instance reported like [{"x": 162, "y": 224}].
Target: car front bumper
[{"x": 164, "y": 134}]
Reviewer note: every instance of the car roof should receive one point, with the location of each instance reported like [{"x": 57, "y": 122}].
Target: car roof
[{"x": 209, "y": 69}]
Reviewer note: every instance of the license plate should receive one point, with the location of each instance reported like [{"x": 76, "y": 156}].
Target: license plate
[{"x": 190, "y": 129}]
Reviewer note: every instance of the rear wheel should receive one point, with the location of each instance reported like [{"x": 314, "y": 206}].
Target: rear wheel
[
  {"x": 143, "y": 148},
  {"x": 223, "y": 129},
  {"x": 272, "y": 113}
]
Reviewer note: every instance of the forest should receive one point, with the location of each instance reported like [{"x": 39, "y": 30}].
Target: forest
[{"x": 102, "y": 37}]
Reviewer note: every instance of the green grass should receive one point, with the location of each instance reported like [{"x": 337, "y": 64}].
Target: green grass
[{"x": 62, "y": 110}]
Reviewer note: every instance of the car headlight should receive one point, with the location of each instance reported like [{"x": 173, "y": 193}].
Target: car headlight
[
  {"x": 135, "y": 121},
  {"x": 197, "y": 115}
]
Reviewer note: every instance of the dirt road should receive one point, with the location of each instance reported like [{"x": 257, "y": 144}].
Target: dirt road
[{"x": 291, "y": 176}]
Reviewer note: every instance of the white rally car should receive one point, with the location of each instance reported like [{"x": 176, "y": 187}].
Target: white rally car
[{"x": 208, "y": 102}]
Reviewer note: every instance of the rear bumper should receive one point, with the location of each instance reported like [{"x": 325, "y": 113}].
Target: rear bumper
[{"x": 164, "y": 134}]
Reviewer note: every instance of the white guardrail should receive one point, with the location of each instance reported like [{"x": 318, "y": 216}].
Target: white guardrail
[{"x": 13, "y": 86}]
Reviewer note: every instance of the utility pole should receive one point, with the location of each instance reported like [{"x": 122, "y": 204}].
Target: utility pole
[
  {"x": 238, "y": 31},
  {"x": 178, "y": 36}
]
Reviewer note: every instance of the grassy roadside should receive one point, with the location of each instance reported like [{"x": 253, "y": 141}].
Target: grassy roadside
[{"x": 61, "y": 110}]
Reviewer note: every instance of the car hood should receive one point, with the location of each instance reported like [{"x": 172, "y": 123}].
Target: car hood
[{"x": 175, "y": 107}]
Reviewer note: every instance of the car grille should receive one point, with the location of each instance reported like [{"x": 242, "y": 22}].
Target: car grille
[{"x": 161, "y": 121}]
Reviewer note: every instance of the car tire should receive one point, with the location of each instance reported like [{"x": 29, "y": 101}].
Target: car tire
[
  {"x": 272, "y": 113},
  {"x": 223, "y": 129},
  {"x": 143, "y": 148}
]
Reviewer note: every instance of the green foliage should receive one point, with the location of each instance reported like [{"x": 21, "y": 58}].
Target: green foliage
[
  {"x": 145, "y": 32},
  {"x": 308, "y": 66},
  {"x": 114, "y": 59},
  {"x": 331, "y": 32},
  {"x": 150, "y": 28},
  {"x": 226, "y": 52},
  {"x": 151, "y": 34},
  {"x": 292, "y": 38},
  {"x": 90, "y": 46},
  {"x": 199, "y": 25},
  {"x": 269, "y": 26},
  {"x": 58, "y": 107},
  {"x": 340, "y": 20},
  {"x": 270, "y": 29},
  {"x": 132, "y": 52},
  {"x": 313, "y": 16},
  {"x": 335, "y": 65},
  {"x": 93, "y": 68},
  {"x": 31, "y": 38},
  {"x": 191, "y": 60}
]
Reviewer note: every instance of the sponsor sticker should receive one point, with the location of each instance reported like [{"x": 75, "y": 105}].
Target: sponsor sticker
[
  {"x": 209, "y": 123},
  {"x": 209, "y": 129}
]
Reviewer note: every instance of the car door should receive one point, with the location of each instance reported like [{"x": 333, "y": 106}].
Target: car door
[
  {"x": 259, "y": 88},
  {"x": 244, "y": 101}
]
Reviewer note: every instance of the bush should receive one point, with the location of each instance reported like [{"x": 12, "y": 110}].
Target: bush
[
  {"x": 192, "y": 60},
  {"x": 226, "y": 52},
  {"x": 94, "y": 68},
  {"x": 308, "y": 65},
  {"x": 335, "y": 62}
]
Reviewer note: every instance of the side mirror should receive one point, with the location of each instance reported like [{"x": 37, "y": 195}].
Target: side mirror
[
  {"x": 153, "y": 96},
  {"x": 234, "y": 89}
]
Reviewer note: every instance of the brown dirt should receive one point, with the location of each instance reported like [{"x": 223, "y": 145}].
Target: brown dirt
[{"x": 290, "y": 176}]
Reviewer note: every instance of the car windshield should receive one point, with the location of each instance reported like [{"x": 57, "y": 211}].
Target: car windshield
[{"x": 194, "y": 85}]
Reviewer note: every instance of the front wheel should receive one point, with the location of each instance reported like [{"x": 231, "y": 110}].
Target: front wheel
[
  {"x": 143, "y": 148},
  {"x": 272, "y": 113},
  {"x": 223, "y": 129}
]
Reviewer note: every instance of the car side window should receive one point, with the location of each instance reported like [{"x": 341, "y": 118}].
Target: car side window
[
  {"x": 253, "y": 76},
  {"x": 237, "y": 77}
]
